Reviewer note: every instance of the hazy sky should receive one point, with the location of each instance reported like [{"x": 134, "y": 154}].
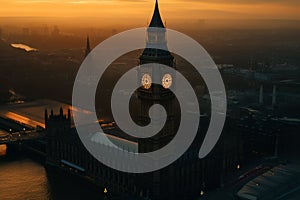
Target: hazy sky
[{"x": 124, "y": 11}]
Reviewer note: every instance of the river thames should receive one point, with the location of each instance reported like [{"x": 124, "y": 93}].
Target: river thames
[{"x": 22, "y": 178}]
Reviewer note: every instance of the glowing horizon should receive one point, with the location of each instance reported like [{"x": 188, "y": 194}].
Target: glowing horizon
[{"x": 124, "y": 11}]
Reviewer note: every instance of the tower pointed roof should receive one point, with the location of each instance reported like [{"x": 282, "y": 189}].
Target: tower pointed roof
[
  {"x": 156, "y": 20},
  {"x": 88, "y": 47}
]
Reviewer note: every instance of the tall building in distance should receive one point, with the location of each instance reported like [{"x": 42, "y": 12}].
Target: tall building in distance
[{"x": 88, "y": 46}]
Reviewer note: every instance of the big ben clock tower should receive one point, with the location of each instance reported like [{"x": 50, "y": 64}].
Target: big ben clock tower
[{"x": 150, "y": 94}]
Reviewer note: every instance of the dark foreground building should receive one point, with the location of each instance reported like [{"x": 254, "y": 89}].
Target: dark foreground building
[{"x": 184, "y": 179}]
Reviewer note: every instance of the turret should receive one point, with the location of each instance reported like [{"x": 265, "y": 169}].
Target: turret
[
  {"x": 61, "y": 112},
  {"x": 88, "y": 47},
  {"x": 46, "y": 117},
  {"x": 59, "y": 121}
]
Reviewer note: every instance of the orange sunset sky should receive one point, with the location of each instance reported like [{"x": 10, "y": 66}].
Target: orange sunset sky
[{"x": 141, "y": 10}]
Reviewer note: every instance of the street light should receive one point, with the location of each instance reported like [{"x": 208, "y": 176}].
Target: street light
[
  {"x": 105, "y": 194},
  {"x": 201, "y": 193}
]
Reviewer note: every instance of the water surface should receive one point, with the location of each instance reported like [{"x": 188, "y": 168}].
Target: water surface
[
  {"x": 22, "y": 178},
  {"x": 24, "y": 47}
]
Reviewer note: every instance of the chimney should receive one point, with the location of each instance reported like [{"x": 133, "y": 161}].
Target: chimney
[
  {"x": 261, "y": 95},
  {"x": 274, "y": 95}
]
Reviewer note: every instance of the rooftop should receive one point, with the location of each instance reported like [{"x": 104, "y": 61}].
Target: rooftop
[
  {"x": 279, "y": 181},
  {"x": 31, "y": 113}
]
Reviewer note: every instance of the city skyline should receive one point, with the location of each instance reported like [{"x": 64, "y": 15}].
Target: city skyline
[{"x": 129, "y": 11}]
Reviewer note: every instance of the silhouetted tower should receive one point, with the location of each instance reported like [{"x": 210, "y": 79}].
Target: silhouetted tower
[
  {"x": 57, "y": 127},
  {"x": 150, "y": 94},
  {"x": 88, "y": 47}
]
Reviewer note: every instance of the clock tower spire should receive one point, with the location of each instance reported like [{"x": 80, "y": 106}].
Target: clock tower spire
[
  {"x": 156, "y": 20},
  {"x": 150, "y": 94}
]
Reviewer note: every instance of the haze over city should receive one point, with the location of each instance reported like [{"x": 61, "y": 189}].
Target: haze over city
[{"x": 131, "y": 12}]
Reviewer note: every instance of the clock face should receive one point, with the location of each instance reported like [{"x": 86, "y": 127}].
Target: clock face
[
  {"x": 167, "y": 81},
  {"x": 146, "y": 81}
]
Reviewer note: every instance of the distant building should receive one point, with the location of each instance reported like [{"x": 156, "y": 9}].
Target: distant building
[
  {"x": 55, "y": 32},
  {"x": 88, "y": 47},
  {"x": 277, "y": 183},
  {"x": 259, "y": 132}
]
